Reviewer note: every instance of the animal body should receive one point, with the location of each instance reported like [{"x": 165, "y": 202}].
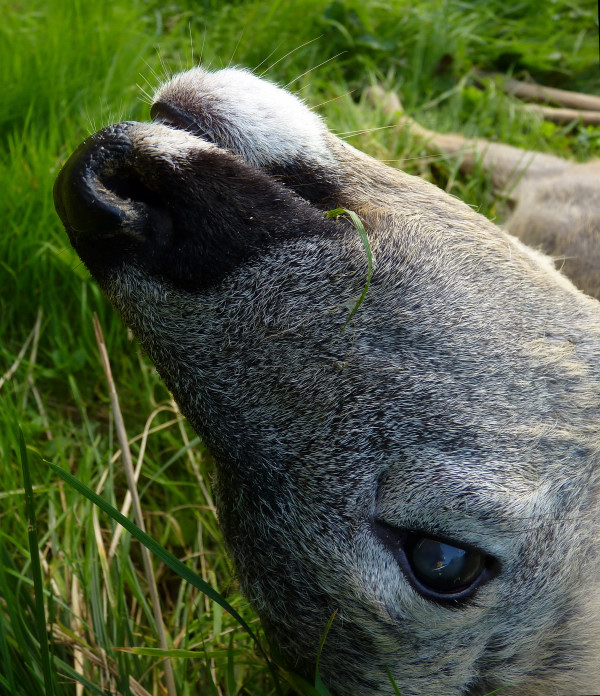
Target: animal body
[
  {"x": 429, "y": 471},
  {"x": 555, "y": 202}
]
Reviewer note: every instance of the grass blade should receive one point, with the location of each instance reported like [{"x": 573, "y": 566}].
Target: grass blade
[
  {"x": 392, "y": 681},
  {"x": 36, "y": 570},
  {"x": 167, "y": 558},
  {"x": 322, "y": 690},
  {"x": 360, "y": 228},
  {"x": 8, "y": 680}
]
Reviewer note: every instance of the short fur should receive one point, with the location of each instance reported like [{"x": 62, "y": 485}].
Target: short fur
[{"x": 462, "y": 402}]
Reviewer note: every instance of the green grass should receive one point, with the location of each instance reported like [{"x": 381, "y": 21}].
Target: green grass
[{"x": 71, "y": 66}]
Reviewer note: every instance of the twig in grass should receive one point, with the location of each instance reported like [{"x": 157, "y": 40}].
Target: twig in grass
[
  {"x": 76, "y": 627},
  {"x": 34, "y": 336},
  {"x": 41, "y": 409},
  {"x": 137, "y": 508},
  {"x": 136, "y": 475},
  {"x": 572, "y": 106},
  {"x": 564, "y": 116},
  {"x": 99, "y": 538},
  {"x": 31, "y": 382},
  {"x": 32, "y": 356},
  {"x": 193, "y": 463},
  {"x": 531, "y": 91}
]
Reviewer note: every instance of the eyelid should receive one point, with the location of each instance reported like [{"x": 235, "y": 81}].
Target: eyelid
[
  {"x": 392, "y": 530},
  {"x": 396, "y": 540}
]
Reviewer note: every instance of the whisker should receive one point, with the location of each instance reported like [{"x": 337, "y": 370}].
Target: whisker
[
  {"x": 424, "y": 158},
  {"x": 168, "y": 74},
  {"x": 191, "y": 43},
  {"x": 145, "y": 95},
  {"x": 264, "y": 60},
  {"x": 157, "y": 78},
  {"x": 341, "y": 53},
  {"x": 203, "y": 44},
  {"x": 146, "y": 80},
  {"x": 349, "y": 134},
  {"x": 289, "y": 53},
  {"x": 329, "y": 101},
  {"x": 90, "y": 120},
  {"x": 235, "y": 49}
]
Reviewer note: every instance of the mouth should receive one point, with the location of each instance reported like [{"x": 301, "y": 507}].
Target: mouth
[{"x": 170, "y": 115}]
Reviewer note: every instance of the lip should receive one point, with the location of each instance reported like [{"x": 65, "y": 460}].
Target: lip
[{"x": 171, "y": 115}]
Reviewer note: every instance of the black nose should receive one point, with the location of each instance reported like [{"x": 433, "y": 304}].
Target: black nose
[
  {"x": 84, "y": 192},
  {"x": 108, "y": 213}
]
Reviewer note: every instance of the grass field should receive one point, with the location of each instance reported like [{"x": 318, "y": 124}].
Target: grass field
[{"x": 72, "y": 66}]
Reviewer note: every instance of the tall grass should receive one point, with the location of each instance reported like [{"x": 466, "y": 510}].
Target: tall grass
[{"x": 71, "y": 66}]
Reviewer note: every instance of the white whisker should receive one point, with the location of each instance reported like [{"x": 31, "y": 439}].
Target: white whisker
[
  {"x": 349, "y": 134},
  {"x": 341, "y": 53},
  {"x": 333, "y": 99},
  {"x": 235, "y": 49},
  {"x": 289, "y": 53}
]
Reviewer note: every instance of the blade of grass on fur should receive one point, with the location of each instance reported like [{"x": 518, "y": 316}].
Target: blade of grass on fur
[
  {"x": 322, "y": 690},
  {"x": 166, "y": 557},
  {"x": 392, "y": 681},
  {"x": 300, "y": 685},
  {"x": 36, "y": 570},
  {"x": 497, "y": 691},
  {"x": 137, "y": 508},
  {"x": 360, "y": 228}
]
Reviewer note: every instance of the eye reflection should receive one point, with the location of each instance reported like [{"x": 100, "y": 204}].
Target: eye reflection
[{"x": 443, "y": 567}]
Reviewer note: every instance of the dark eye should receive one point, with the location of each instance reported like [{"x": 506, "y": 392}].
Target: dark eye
[
  {"x": 438, "y": 569},
  {"x": 443, "y": 567}
]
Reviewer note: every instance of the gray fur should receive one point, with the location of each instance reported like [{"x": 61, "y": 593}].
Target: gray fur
[{"x": 463, "y": 401}]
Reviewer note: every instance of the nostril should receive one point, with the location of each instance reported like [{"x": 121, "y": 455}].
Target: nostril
[
  {"x": 127, "y": 188},
  {"x": 99, "y": 196},
  {"x": 86, "y": 206}
]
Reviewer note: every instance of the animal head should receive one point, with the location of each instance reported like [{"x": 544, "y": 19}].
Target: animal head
[{"x": 429, "y": 470}]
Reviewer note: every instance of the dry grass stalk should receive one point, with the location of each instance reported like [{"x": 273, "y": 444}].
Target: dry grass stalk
[{"x": 137, "y": 508}]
